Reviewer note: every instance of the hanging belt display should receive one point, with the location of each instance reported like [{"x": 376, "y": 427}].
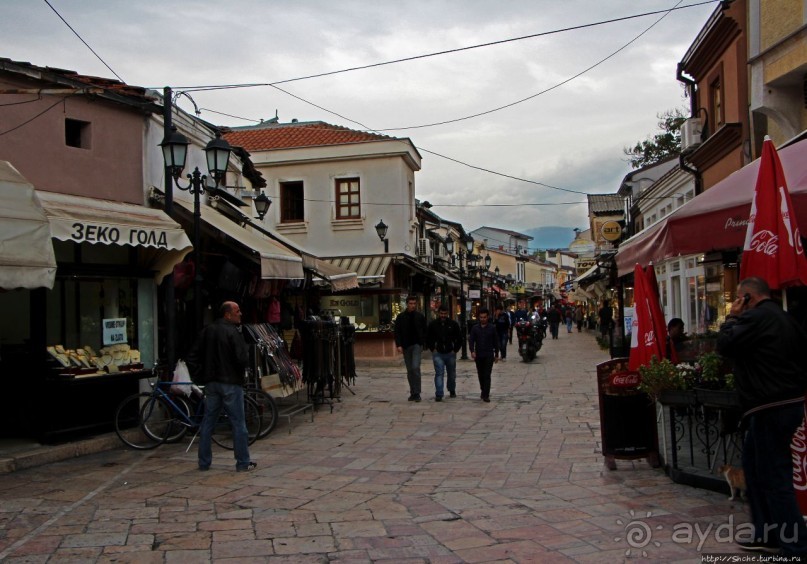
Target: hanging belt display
[{"x": 271, "y": 355}]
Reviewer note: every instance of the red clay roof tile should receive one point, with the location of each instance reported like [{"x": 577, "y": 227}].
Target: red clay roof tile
[{"x": 293, "y": 135}]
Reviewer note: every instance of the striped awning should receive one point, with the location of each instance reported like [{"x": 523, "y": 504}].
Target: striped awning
[{"x": 370, "y": 269}]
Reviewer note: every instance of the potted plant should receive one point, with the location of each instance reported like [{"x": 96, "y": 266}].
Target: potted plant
[
  {"x": 715, "y": 387},
  {"x": 667, "y": 383}
]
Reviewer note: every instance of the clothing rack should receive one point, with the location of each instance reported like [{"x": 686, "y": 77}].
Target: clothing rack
[{"x": 328, "y": 359}]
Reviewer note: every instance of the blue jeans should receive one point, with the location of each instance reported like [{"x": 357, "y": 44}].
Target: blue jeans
[
  {"x": 569, "y": 324},
  {"x": 412, "y": 356},
  {"x": 503, "y": 337},
  {"x": 768, "y": 467},
  {"x": 231, "y": 398},
  {"x": 444, "y": 362}
]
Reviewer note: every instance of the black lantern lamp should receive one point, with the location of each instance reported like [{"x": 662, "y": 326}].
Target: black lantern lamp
[
  {"x": 262, "y": 203},
  {"x": 449, "y": 245},
  {"x": 381, "y": 229},
  {"x": 469, "y": 245},
  {"x": 496, "y": 271},
  {"x": 175, "y": 153},
  {"x": 487, "y": 262}
]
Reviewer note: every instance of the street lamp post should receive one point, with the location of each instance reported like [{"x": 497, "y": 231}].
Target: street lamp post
[
  {"x": 462, "y": 254},
  {"x": 175, "y": 152}
]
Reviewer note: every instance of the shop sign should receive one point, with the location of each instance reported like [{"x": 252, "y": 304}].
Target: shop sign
[
  {"x": 114, "y": 331},
  {"x": 627, "y": 314},
  {"x": 626, "y": 379},
  {"x": 474, "y": 294},
  {"x": 118, "y": 235},
  {"x": 611, "y": 231}
]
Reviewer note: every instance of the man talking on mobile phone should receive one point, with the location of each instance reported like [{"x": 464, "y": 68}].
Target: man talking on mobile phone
[{"x": 767, "y": 348}]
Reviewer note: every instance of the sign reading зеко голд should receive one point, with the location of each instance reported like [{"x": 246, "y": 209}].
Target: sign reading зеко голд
[{"x": 118, "y": 235}]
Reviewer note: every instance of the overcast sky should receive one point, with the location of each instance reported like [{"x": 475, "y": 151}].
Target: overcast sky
[{"x": 570, "y": 137}]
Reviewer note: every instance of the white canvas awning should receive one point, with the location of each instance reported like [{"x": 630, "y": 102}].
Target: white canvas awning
[
  {"x": 26, "y": 249},
  {"x": 339, "y": 278},
  {"x": 276, "y": 261},
  {"x": 104, "y": 222}
]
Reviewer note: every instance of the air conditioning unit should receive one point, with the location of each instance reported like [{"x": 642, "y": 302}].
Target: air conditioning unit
[
  {"x": 423, "y": 248},
  {"x": 691, "y": 131}
]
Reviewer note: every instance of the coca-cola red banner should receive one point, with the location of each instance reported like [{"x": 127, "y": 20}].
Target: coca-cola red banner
[
  {"x": 798, "y": 448},
  {"x": 772, "y": 247}
]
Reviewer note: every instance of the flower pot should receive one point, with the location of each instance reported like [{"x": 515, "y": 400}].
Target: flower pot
[
  {"x": 677, "y": 398},
  {"x": 722, "y": 399}
]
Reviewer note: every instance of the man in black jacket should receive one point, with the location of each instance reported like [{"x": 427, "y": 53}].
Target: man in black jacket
[
  {"x": 444, "y": 339},
  {"x": 223, "y": 356},
  {"x": 768, "y": 349},
  {"x": 410, "y": 335},
  {"x": 484, "y": 344}
]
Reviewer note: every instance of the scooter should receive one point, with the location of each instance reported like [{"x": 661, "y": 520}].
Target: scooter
[{"x": 530, "y": 337}]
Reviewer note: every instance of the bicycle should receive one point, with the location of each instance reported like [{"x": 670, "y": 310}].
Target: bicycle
[
  {"x": 148, "y": 419},
  {"x": 268, "y": 407}
]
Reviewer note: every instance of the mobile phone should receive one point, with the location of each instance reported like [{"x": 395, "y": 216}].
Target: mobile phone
[{"x": 746, "y": 299}]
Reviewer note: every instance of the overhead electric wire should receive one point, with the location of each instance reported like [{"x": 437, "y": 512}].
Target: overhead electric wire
[
  {"x": 43, "y": 112},
  {"x": 444, "y": 52},
  {"x": 84, "y": 42},
  {"x": 483, "y": 169}
]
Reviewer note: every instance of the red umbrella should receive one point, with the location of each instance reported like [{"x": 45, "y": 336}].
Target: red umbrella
[
  {"x": 645, "y": 340},
  {"x": 773, "y": 248}
]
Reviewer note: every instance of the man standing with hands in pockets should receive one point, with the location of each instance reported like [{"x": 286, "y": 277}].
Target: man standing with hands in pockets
[
  {"x": 767, "y": 347},
  {"x": 444, "y": 339},
  {"x": 484, "y": 345}
]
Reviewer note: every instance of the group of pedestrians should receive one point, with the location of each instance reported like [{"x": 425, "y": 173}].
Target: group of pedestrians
[{"x": 443, "y": 337}]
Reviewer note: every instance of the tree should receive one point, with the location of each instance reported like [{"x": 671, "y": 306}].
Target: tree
[{"x": 663, "y": 144}]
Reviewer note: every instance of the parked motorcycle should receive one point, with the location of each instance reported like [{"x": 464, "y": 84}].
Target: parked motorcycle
[{"x": 530, "y": 333}]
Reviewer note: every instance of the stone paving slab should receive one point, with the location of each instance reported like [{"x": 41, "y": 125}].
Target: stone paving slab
[{"x": 380, "y": 479}]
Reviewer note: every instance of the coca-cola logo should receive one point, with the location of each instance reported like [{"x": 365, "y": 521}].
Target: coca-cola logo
[
  {"x": 732, "y": 223},
  {"x": 765, "y": 242},
  {"x": 625, "y": 379},
  {"x": 649, "y": 338},
  {"x": 798, "y": 450}
]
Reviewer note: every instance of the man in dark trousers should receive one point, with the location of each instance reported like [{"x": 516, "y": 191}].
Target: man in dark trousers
[
  {"x": 444, "y": 339},
  {"x": 410, "y": 335},
  {"x": 484, "y": 345},
  {"x": 767, "y": 347},
  {"x": 222, "y": 355},
  {"x": 501, "y": 320}
]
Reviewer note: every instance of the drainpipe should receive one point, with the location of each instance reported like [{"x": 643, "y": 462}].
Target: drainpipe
[{"x": 693, "y": 109}]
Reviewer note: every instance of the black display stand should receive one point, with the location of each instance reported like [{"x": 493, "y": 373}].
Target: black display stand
[{"x": 627, "y": 416}]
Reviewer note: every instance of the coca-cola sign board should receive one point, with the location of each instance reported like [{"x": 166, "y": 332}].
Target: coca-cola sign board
[{"x": 627, "y": 379}]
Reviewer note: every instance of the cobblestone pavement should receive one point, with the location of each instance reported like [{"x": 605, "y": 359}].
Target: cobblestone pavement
[{"x": 381, "y": 479}]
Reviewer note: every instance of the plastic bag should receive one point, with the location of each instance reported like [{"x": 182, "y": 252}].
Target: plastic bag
[{"x": 181, "y": 376}]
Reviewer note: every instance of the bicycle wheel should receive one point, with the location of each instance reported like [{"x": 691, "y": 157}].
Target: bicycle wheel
[
  {"x": 223, "y": 432},
  {"x": 266, "y": 403},
  {"x": 179, "y": 427},
  {"x": 142, "y": 421}
]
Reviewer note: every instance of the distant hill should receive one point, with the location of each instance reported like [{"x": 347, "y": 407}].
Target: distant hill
[{"x": 550, "y": 237}]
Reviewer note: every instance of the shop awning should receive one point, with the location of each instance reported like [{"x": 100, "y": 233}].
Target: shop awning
[
  {"x": 501, "y": 291},
  {"x": 104, "y": 222},
  {"x": 589, "y": 276},
  {"x": 716, "y": 219},
  {"x": 276, "y": 261},
  {"x": 339, "y": 278},
  {"x": 370, "y": 269},
  {"x": 26, "y": 249},
  {"x": 429, "y": 272}
]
